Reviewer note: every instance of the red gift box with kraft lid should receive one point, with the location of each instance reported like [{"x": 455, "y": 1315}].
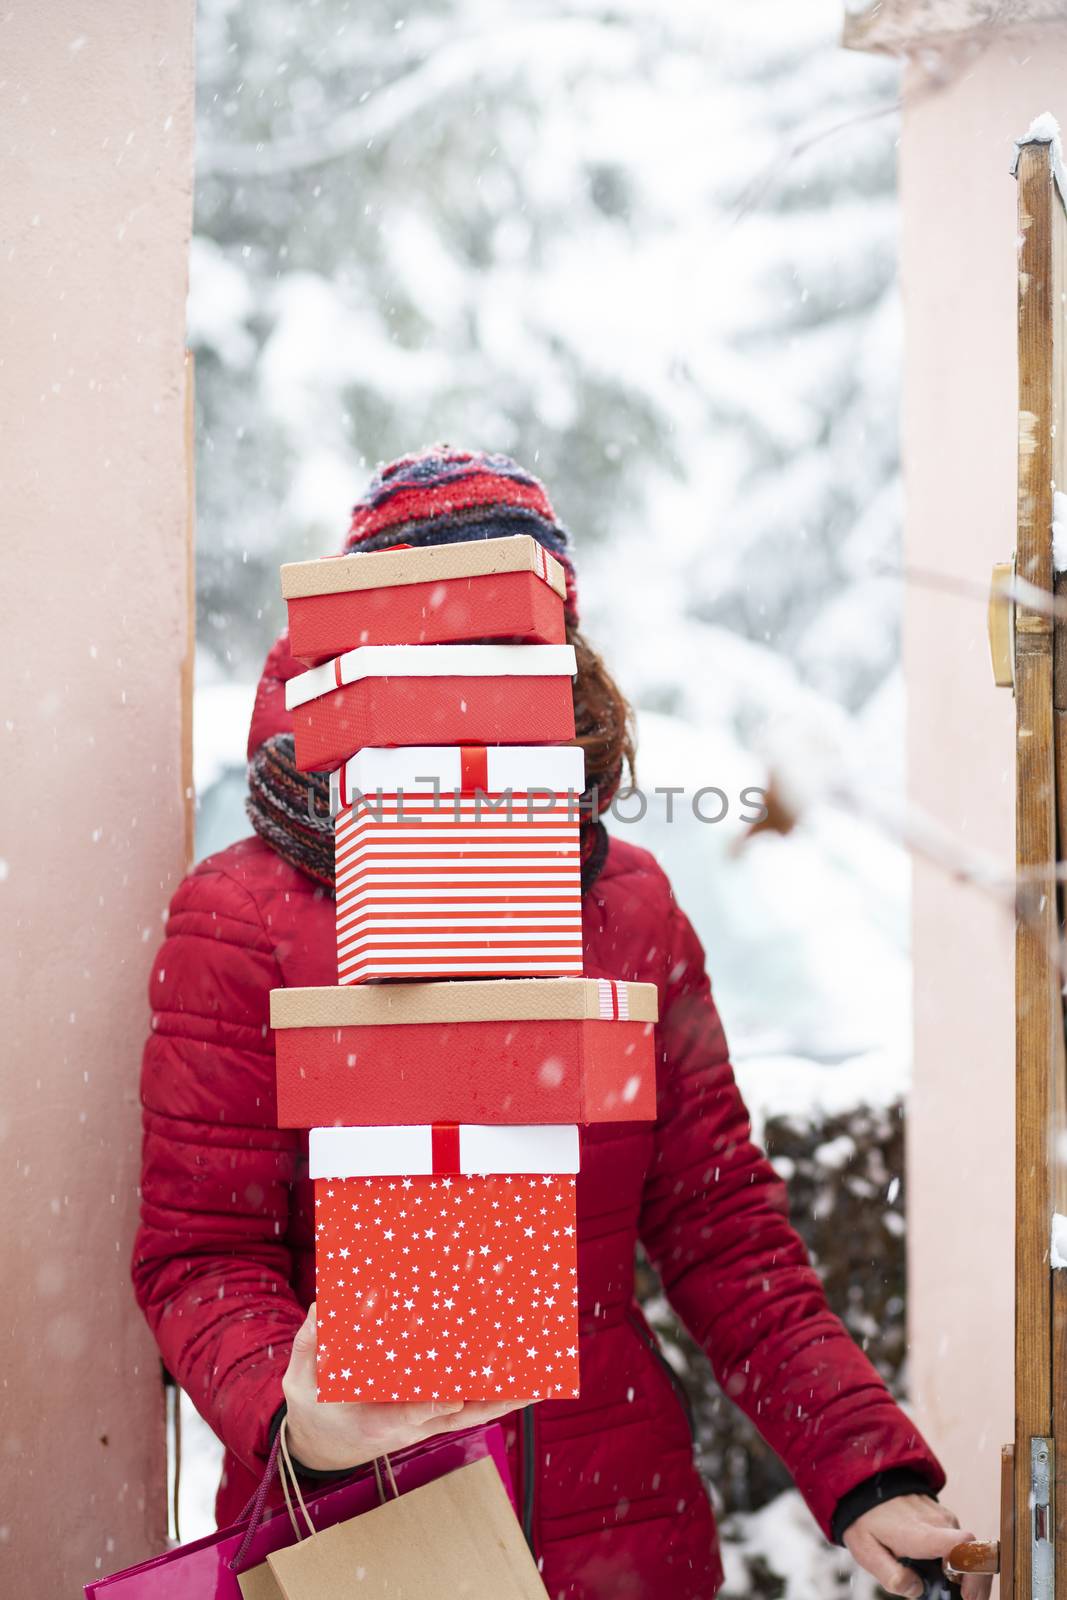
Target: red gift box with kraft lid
[
  {"x": 454, "y": 694},
  {"x": 504, "y": 1050},
  {"x": 510, "y": 588}
]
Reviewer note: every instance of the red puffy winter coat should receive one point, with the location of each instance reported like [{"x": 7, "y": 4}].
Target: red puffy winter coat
[{"x": 223, "y": 1261}]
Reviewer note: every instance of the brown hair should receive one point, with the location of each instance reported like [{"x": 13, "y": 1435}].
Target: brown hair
[{"x": 604, "y": 721}]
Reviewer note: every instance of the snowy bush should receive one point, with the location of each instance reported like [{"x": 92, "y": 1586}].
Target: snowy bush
[{"x": 845, "y": 1174}]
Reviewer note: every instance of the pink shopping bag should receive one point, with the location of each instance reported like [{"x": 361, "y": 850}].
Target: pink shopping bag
[{"x": 207, "y": 1569}]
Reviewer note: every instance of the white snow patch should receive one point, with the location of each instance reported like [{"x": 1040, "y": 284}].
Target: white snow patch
[
  {"x": 1043, "y": 130},
  {"x": 821, "y": 915},
  {"x": 783, "y": 1536},
  {"x": 836, "y": 1152},
  {"x": 790, "y": 1086},
  {"x": 221, "y": 715},
  {"x": 201, "y": 1470},
  {"x": 220, "y": 305},
  {"x": 1058, "y": 1255},
  {"x": 1059, "y": 531}
]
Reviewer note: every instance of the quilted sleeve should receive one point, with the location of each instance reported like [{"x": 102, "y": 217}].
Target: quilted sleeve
[
  {"x": 715, "y": 1224},
  {"x": 211, "y": 1264}
]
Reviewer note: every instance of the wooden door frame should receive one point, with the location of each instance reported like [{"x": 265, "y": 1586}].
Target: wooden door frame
[{"x": 1040, "y": 676}]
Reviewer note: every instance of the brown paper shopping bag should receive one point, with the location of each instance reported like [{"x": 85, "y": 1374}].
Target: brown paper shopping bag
[
  {"x": 456, "y": 1536},
  {"x": 259, "y": 1583}
]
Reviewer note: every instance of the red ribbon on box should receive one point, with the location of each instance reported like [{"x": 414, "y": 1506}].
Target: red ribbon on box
[
  {"x": 444, "y": 1142},
  {"x": 614, "y": 1000},
  {"x": 473, "y": 768},
  {"x": 342, "y": 554},
  {"x": 473, "y": 765}
]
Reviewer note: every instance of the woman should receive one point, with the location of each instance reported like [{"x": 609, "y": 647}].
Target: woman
[{"x": 223, "y": 1263}]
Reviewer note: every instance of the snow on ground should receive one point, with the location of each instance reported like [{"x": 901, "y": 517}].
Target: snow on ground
[{"x": 779, "y": 1537}]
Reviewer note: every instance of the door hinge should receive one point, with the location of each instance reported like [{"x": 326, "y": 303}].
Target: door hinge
[{"x": 1001, "y": 624}]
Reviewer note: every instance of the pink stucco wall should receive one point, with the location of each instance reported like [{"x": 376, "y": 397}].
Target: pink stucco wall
[
  {"x": 94, "y": 222},
  {"x": 958, "y": 266}
]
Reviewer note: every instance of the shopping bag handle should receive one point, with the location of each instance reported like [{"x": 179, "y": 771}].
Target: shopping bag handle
[
  {"x": 254, "y": 1508},
  {"x": 257, "y": 1502},
  {"x": 287, "y": 1473},
  {"x": 389, "y": 1474}
]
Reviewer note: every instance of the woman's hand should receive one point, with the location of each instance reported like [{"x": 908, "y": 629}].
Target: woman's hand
[
  {"x": 330, "y": 1438},
  {"x": 909, "y": 1525}
]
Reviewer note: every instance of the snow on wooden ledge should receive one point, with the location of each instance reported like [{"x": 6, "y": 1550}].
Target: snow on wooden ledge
[
  {"x": 1058, "y": 1242},
  {"x": 895, "y": 26}
]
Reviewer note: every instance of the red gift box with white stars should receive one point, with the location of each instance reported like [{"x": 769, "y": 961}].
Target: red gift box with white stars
[{"x": 446, "y": 1262}]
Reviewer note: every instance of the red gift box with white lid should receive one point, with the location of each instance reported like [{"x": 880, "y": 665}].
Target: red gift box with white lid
[
  {"x": 509, "y": 588},
  {"x": 454, "y": 1274},
  {"x": 459, "y": 862},
  {"x": 523, "y": 1050},
  {"x": 453, "y": 694}
]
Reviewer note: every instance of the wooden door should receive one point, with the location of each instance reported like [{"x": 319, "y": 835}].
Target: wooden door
[{"x": 1040, "y": 679}]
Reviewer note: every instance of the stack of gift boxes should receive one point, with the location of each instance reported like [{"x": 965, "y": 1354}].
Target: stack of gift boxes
[{"x": 445, "y": 1076}]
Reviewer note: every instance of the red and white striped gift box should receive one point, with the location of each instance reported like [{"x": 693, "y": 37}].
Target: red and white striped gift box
[{"x": 471, "y": 868}]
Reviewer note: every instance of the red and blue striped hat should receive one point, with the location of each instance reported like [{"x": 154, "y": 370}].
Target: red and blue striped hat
[{"x": 442, "y": 496}]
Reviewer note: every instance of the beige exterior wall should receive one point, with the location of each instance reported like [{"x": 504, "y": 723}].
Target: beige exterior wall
[
  {"x": 94, "y": 216},
  {"x": 958, "y": 265}
]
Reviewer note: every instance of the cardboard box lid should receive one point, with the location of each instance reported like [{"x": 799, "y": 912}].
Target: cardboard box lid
[
  {"x": 386, "y": 569},
  {"x": 432, "y": 661},
  {"x": 446, "y": 769},
  {"x": 442, "y": 1149},
  {"x": 466, "y": 1000}
]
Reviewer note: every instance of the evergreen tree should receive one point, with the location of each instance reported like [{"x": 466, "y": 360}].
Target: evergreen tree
[{"x": 647, "y": 250}]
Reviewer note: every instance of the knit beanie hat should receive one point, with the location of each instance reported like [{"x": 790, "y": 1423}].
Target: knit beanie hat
[
  {"x": 437, "y": 496},
  {"x": 444, "y": 496}
]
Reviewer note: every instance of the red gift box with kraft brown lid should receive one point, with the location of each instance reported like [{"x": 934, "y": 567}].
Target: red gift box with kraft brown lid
[
  {"x": 504, "y": 1050},
  {"x": 456, "y": 694},
  {"x": 510, "y": 588},
  {"x": 446, "y": 1262}
]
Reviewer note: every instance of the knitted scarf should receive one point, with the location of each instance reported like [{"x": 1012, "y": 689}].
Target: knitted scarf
[{"x": 291, "y": 811}]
